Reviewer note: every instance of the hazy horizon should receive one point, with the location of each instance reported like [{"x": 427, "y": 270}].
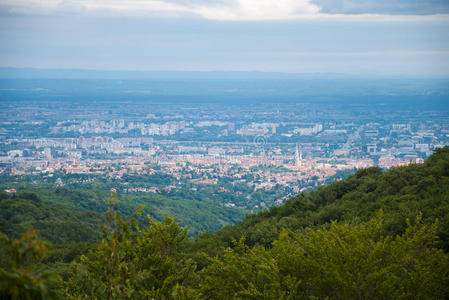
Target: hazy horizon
[
  {"x": 7, "y": 72},
  {"x": 376, "y": 38}
]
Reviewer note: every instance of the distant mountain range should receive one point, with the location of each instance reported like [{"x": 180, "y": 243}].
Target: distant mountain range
[{"x": 34, "y": 73}]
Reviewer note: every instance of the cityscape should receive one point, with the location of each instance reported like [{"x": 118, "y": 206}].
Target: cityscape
[{"x": 279, "y": 150}]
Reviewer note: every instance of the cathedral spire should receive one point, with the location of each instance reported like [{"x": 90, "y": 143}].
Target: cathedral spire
[{"x": 298, "y": 157}]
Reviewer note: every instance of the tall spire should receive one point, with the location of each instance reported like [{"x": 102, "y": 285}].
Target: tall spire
[{"x": 298, "y": 157}]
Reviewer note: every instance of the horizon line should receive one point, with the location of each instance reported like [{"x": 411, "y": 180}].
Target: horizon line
[{"x": 27, "y": 72}]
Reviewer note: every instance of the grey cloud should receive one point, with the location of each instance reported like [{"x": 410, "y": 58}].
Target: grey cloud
[{"x": 391, "y": 7}]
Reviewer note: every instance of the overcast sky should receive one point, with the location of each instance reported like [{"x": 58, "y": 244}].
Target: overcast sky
[{"x": 380, "y": 37}]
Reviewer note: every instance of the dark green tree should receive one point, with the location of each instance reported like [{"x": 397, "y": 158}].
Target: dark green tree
[
  {"x": 134, "y": 263},
  {"x": 19, "y": 276}
]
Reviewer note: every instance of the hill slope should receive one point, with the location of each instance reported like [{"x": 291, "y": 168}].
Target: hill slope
[
  {"x": 54, "y": 223},
  {"x": 401, "y": 193}
]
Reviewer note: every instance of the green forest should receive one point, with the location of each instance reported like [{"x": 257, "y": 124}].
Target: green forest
[{"x": 376, "y": 235}]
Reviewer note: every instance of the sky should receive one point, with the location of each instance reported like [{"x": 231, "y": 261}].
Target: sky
[{"x": 368, "y": 37}]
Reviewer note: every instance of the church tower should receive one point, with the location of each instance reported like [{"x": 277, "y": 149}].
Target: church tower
[{"x": 298, "y": 157}]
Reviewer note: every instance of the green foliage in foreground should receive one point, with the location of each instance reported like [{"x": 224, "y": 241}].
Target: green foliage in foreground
[
  {"x": 339, "y": 262},
  {"x": 19, "y": 278},
  {"x": 134, "y": 263}
]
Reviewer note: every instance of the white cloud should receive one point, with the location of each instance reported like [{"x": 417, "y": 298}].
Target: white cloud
[
  {"x": 257, "y": 10},
  {"x": 134, "y": 5},
  {"x": 220, "y": 10},
  {"x": 116, "y": 6},
  {"x": 226, "y": 10}
]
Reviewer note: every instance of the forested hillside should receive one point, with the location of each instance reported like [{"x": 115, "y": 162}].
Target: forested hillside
[
  {"x": 200, "y": 210},
  {"x": 376, "y": 235},
  {"x": 54, "y": 223},
  {"x": 401, "y": 193}
]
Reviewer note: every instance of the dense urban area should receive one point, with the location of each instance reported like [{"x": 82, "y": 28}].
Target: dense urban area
[{"x": 252, "y": 157}]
